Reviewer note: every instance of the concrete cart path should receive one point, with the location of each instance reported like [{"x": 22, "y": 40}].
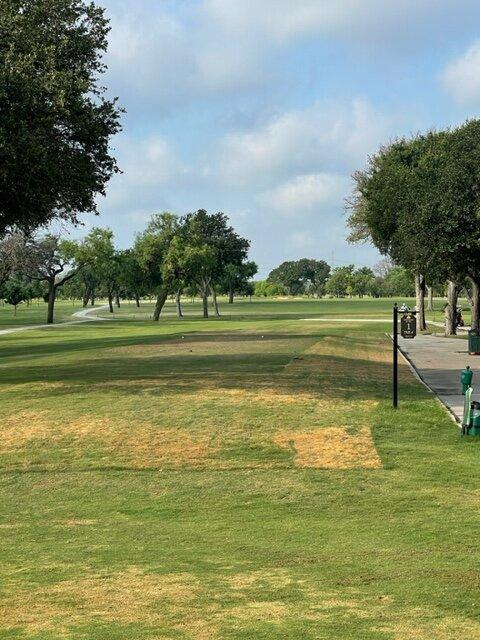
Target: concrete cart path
[
  {"x": 439, "y": 362},
  {"x": 86, "y": 315}
]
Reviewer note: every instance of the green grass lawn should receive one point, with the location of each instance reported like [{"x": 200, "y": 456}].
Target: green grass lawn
[
  {"x": 242, "y": 477},
  {"x": 35, "y": 313}
]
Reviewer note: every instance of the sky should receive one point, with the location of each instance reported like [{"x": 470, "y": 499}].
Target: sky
[{"x": 263, "y": 109}]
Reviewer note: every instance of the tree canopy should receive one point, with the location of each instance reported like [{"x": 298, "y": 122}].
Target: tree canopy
[
  {"x": 418, "y": 201},
  {"x": 55, "y": 121}
]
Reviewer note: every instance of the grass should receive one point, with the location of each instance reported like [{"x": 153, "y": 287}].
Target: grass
[
  {"x": 230, "y": 479},
  {"x": 35, "y": 313}
]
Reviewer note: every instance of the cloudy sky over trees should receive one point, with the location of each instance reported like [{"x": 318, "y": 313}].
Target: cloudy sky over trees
[{"x": 263, "y": 109}]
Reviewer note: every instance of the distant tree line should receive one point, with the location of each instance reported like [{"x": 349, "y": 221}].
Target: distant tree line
[
  {"x": 196, "y": 254},
  {"x": 315, "y": 278}
]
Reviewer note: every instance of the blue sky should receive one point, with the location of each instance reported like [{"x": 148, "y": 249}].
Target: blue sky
[{"x": 263, "y": 108}]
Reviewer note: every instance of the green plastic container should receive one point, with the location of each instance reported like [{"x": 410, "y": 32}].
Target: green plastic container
[
  {"x": 474, "y": 342},
  {"x": 475, "y": 429}
]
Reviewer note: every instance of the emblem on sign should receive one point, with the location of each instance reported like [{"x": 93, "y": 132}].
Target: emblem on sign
[{"x": 408, "y": 326}]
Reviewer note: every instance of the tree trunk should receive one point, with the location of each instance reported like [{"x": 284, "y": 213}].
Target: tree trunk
[
  {"x": 475, "y": 303},
  {"x": 92, "y": 300},
  {"x": 204, "y": 294},
  {"x": 420, "y": 302},
  {"x": 117, "y": 300},
  {"x": 230, "y": 296},
  {"x": 52, "y": 290},
  {"x": 86, "y": 296},
  {"x": 110, "y": 302},
  {"x": 161, "y": 299},
  {"x": 137, "y": 300},
  {"x": 14, "y": 310},
  {"x": 451, "y": 309},
  {"x": 429, "y": 298},
  {"x": 214, "y": 300},
  {"x": 178, "y": 303}
]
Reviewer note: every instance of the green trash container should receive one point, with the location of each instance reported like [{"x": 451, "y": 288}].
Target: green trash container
[
  {"x": 475, "y": 428},
  {"x": 474, "y": 342}
]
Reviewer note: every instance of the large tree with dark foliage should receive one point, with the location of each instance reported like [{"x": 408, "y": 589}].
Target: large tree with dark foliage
[
  {"x": 301, "y": 276},
  {"x": 55, "y": 121}
]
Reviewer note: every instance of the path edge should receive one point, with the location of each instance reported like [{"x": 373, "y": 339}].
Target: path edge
[{"x": 418, "y": 375}]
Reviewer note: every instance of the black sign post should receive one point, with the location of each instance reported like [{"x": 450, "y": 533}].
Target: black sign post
[
  {"x": 395, "y": 356},
  {"x": 408, "y": 327}
]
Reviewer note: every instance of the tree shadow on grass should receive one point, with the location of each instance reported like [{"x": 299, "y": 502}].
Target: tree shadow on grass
[
  {"x": 93, "y": 343},
  {"x": 328, "y": 377}
]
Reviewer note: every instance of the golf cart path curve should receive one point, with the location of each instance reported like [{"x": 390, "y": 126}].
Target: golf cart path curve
[
  {"x": 439, "y": 361},
  {"x": 85, "y": 315}
]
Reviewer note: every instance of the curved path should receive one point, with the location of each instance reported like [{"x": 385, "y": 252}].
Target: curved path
[{"x": 85, "y": 315}]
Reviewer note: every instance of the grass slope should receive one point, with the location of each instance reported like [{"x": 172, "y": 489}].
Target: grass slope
[{"x": 230, "y": 479}]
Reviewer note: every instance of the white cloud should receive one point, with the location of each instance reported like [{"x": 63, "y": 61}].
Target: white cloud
[
  {"x": 149, "y": 166},
  {"x": 461, "y": 78},
  {"x": 302, "y": 194},
  {"x": 170, "y": 53},
  {"x": 325, "y": 137},
  {"x": 151, "y": 162},
  {"x": 302, "y": 240},
  {"x": 367, "y": 21}
]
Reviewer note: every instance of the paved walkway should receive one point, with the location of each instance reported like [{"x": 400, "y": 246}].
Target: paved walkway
[
  {"x": 85, "y": 315},
  {"x": 349, "y": 320},
  {"x": 439, "y": 362}
]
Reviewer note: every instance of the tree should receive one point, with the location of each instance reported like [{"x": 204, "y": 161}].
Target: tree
[
  {"x": 340, "y": 281},
  {"x": 313, "y": 274},
  {"x": 265, "y": 289},
  {"x": 288, "y": 275},
  {"x": 131, "y": 275},
  {"x": 90, "y": 284},
  {"x": 418, "y": 201},
  {"x": 209, "y": 245},
  {"x": 98, "y": 252},
  {"x": 10, "y": 248},
  {"x": 55, "y": 121},
  {"x": 362, "y": 280},
  {"x": 16, "y": 290},
  {"x": 51, "y": 260},
  {"x": 152, "y": 251},
  {"x": 388, "y": 194},
  {"x": 398, "y": 282},
  {"x": 301, "y": 276},
  {"x": 236, "y": 277}
]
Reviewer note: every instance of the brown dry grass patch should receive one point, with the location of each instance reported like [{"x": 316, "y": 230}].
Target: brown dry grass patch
[
  {"x": 125, "y": 598},
  {"x": 419, "y": 625},
  {"x": 141, "y": 445},
  {"x": 76, "y": 522},
  {"x": 20, "y": 428},
  {"x": 332, "y": 448}
]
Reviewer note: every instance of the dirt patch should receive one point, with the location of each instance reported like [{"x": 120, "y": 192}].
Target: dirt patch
[{"x": 332, "y": 448}]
